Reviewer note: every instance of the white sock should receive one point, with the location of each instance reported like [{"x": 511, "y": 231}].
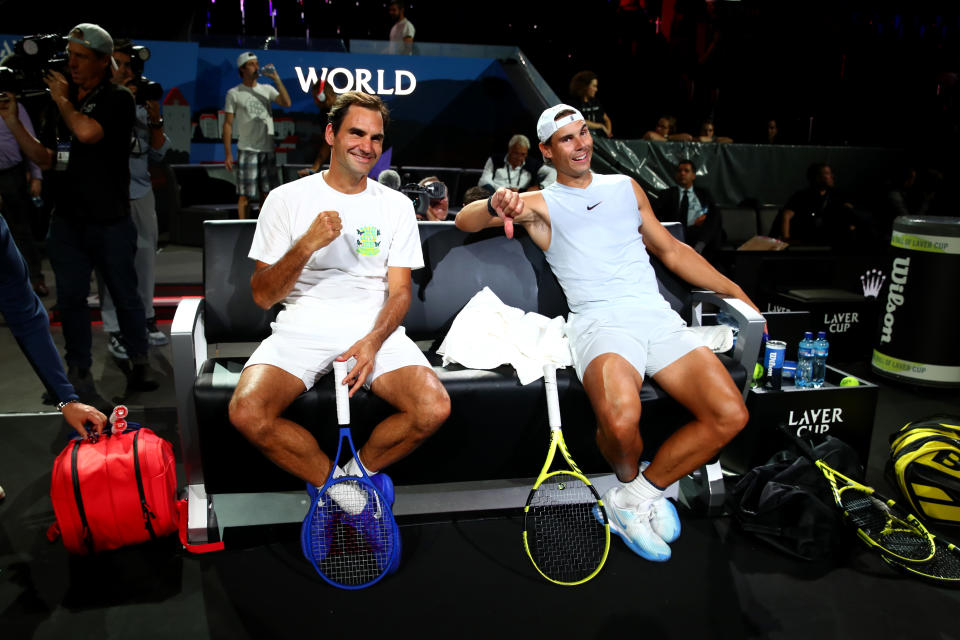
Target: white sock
[
  {"x": 353, "y": 469},
  {"x": 638, "y": 491}
]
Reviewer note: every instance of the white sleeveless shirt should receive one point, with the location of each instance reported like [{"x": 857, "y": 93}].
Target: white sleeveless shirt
[{"x": 596, "y": 250}]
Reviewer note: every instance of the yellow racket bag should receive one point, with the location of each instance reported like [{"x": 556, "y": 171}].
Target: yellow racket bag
[{"x": 925, "y": 464}]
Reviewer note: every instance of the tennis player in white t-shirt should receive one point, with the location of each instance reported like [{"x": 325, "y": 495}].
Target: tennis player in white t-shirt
[{"x": 337, "y": 249}]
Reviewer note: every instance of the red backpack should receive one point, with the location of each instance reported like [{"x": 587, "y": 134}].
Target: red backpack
[{"x": 115, "y": 491}]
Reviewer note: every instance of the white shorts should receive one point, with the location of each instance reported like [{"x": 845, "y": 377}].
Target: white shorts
[
  {"x": 309, "y": 354},
  {"x": 649, "y": 339}
]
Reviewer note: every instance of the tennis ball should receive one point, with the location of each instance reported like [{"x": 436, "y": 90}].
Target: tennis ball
[
  {"x": 757, "y": 371},
  {"x": 849, "y": 381}
]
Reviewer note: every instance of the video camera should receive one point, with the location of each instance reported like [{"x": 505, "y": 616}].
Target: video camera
[
  {"x": 422, "y": 195},
  {"x": 145, "y": 89},
  {"x": 32, "y": 57}
]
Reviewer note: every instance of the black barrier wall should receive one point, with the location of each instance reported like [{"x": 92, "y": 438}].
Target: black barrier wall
[{"x": 737, "y": 172}]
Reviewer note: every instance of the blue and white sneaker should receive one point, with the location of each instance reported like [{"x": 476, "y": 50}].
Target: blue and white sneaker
[
  {"x": 635, "y": 528},
  {"x": 665, "y": 520}
]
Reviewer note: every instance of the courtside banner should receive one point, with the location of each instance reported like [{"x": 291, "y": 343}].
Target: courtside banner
[{"x": 396, "y": 79}]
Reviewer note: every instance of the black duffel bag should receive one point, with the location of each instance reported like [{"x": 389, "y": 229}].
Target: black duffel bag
[{"x": 788, "y": 503}]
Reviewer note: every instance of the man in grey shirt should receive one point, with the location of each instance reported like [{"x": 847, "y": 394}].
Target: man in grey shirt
[{"x": 250, "y": 104}]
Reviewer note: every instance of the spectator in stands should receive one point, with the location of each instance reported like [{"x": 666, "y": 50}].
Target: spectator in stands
[
  {"x": 21, "y": 179},
  {"x": 583, "y": 96},
  {"x": 516, "y": 170},
  {"x": 475, "y": 193},
  {"x": 402, "y": 31},
  {"x": 250, "y": 103},
  {"x": 772, "y": 133},
  {"x": 91, "y": 227},
  {"x": 694, "y": 208},
  {"x": 323, "y": 97},
  {"x": 707, "y": 133},
  {"x": 149, "y": 143},
  {"x": 818, "y": 215},
  {"x": 666, "y": 130},
  {"x": 439, "y": 208}
]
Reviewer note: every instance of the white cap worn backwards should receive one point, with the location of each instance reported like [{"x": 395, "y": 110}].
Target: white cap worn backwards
[{"x": 547, "y": 126}]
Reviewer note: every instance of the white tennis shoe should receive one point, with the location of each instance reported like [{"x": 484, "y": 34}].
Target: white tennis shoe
[{"x": 634, "y": 525}]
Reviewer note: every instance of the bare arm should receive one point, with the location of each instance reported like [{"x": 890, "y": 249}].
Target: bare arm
[
  {"x": 271, "y": 283},
  {"x": 284, "y": 98},
  {"x": 228, "y": 141},
  {"x": 527, "y": 209},
  {"x": 391, "y": 315},
  {"x": 680, "y": 258}
]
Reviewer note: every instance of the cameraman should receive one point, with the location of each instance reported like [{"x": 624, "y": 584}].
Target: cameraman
[
  {"x": 21, "y": 153},
  {"x": 148, "y": 143},
  {"x": 91, "y": 226}
]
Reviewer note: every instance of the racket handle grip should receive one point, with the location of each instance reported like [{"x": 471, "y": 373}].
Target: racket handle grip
[
  {"x": 342, "y": 392},
  {"x": 553, "y": 400}
]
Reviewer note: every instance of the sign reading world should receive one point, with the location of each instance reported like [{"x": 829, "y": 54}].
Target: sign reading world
[{"x": 340, "y": 79}]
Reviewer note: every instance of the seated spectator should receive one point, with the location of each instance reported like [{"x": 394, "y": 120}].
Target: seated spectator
[
  {"x": 817, "y": 215},
  {"x": 475, "y": 193},
  {"x": 516, "y": 170},
  {"x": 772, "y": 133},
  {"x": 439, "y": 208},
  {"x": 694, "y": 208},
  {"x": 707, "y": 133},
  {"x": 666, "y": 130},
  {"x": 583, "y": 96}
]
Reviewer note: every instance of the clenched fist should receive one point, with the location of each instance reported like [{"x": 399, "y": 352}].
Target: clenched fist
[
  {"x": 508, "y": 205},
  {"x": 323, "y": 230}
]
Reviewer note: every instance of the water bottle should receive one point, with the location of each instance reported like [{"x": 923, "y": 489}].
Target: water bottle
[
  {"x": 820, "y": 349},
  {"x": 728, "y": 320},
  {"x": 804, "y": 376}
]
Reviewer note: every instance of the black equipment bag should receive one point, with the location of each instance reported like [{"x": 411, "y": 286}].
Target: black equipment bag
[{"x": 787, "y": 503}]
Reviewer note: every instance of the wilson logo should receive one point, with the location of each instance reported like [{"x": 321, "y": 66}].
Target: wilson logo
[{"x": 895, "y": 299}]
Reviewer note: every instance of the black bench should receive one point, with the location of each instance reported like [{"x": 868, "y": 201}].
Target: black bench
[{"x": 496, "y": 436}]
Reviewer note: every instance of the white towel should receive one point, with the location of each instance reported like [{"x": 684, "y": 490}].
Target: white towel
[
  {"x": 719, "y": 338},
  {"x": 488, "y": 333}
]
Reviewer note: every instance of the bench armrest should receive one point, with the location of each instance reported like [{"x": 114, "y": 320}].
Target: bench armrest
[
  {"x": 749, "y": 321},
  {"x": 189, "y": 353}
]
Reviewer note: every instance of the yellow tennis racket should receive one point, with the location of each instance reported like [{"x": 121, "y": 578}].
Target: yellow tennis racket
[{"x": 565, "y": 529}]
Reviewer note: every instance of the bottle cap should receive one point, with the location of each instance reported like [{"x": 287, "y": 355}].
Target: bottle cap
[{"x": 821, "y": 334}]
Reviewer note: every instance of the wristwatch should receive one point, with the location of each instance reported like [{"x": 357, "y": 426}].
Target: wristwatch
[
  {"x": 156, "y": 125},
  {"x": 61, "y": 405},
  {"x": 493, "y": 212}
]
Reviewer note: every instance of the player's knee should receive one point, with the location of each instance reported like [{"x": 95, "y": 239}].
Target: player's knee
[
  {"x": 247, "y": 417},
  {"x": 619, "y": 420},
  {"x": 432, "y": 410},
  {"x": 731, "y": 419}
]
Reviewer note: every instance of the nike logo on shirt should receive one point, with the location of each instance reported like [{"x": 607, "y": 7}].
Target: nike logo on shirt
[{"x": 596, "y": 205}]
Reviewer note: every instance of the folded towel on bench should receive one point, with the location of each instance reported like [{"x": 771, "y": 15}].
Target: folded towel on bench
[{"x": 488, "y": 333}]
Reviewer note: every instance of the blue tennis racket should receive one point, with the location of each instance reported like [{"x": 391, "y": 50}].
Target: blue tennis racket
[{"x": 349, "y": 535}]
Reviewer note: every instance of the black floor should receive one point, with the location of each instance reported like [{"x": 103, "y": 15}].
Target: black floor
[{"x": 466, "y": 577}]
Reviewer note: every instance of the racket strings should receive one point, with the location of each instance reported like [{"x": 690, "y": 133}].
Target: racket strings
[
  {"x": 875, "y": 520},
  {"x": 351, "y": 534},
  {"x": 944, "y": 566},
  {"x": 567, "y": 542}
]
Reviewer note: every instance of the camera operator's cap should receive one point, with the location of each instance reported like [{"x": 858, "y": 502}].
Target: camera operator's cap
[
  {"x": 93, "y": 37},
  {"x": 547, "y": 126},
  {"x": 245, "y": 57}
]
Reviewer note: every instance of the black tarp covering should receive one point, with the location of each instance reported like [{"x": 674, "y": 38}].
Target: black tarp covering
[{"x": 737, "y": 172}]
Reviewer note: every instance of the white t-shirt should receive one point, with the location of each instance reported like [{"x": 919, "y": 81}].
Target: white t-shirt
[
  {"x": 379, "y": 231},
  {"x": 402, "y": 29},
  {"x": 253, "y": 116}
]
